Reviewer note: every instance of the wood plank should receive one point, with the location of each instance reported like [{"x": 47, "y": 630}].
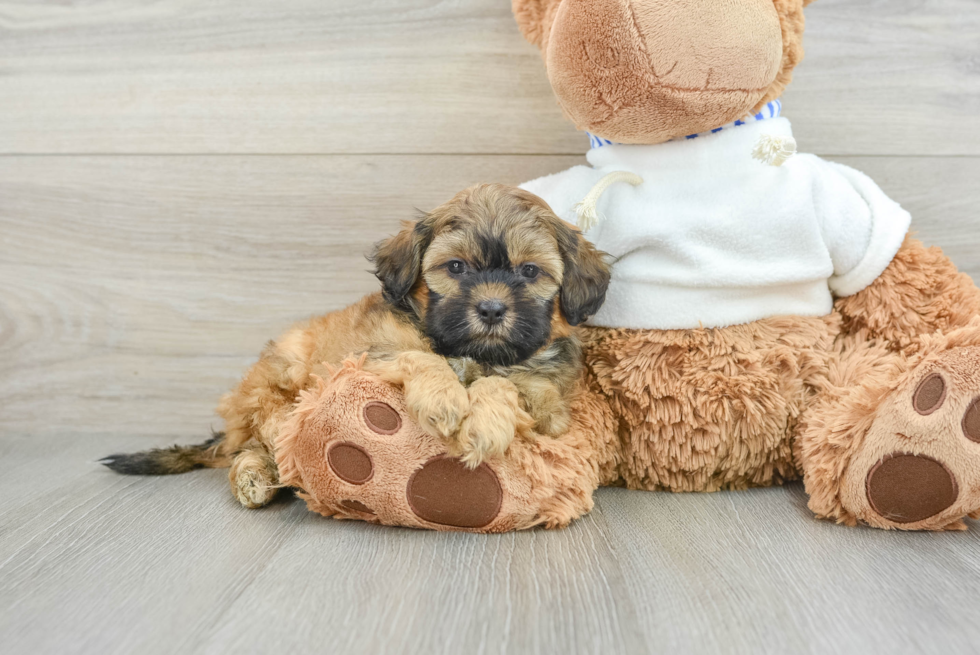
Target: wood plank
[
  {"x": 98, "y": 256},
  {"x": 104, "y": 563},
  {"x": 419, "y": 76},
  {"x": 753, "y": 572},
  {"x": 384, "y": 590},
  {"x": 135, "y": 290},
  {"x": 888, "y": 77},
  {"x": 94, "y": 562}
]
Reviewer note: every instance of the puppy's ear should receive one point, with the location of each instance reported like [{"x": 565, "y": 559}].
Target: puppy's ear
[
  {"x": 586, "y": 277},
  {"x": 398, "y": 261}
]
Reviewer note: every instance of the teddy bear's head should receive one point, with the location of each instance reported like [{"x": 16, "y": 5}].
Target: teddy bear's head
[{"x": 647, "y": 71}]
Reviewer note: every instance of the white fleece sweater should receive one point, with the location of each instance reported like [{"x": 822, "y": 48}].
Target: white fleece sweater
[{"x": 713, "y": 237}]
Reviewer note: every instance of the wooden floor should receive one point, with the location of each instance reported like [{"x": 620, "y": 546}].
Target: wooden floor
[{"x": 179, "y": 181}]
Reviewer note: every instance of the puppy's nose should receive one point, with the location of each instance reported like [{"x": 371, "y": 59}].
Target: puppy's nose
[{"x": 491, "y": 311}]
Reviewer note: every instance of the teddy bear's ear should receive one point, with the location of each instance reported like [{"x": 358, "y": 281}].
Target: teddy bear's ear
[
  {"x": 534, "y": 18},
  {"x": 806, "y": 2}
]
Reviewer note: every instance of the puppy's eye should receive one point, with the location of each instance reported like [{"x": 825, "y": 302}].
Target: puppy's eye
[
  {"x": 530, "y": 271},
  {"x": 456, "y": 267}
]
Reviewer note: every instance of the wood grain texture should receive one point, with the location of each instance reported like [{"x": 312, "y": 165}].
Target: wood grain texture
[
  {"x": 136, "y": 287},
  {"x": 95, "y": 562},
  {"x": 754, "y": 572},
  {"x": 427, "y": 76},
  {"x": 91, "y": 562},
  {"x": 135, "y": 290}
]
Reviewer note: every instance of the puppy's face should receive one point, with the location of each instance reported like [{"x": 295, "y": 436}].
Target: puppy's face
[{"x": 493, "y": 275}]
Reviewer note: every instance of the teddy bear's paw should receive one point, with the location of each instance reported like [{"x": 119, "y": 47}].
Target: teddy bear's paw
[
  {"x": 354, "y": 450},
  {"x": 394, "y": 473},
  {"x": 918, "y": 467}
]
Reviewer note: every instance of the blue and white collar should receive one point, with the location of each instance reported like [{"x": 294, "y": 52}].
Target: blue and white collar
[{"x": 771, "y": 110}]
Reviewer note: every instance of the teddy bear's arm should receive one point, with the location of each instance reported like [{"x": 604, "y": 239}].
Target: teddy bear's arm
[
  {"x": 921, "y": 292},
  {"x": 862, "y": 227}
]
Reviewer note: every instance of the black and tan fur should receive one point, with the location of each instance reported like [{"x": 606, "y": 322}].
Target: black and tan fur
[{"x": 474, "y": 382}]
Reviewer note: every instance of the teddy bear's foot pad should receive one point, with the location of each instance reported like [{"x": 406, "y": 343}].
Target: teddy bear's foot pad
[
  {"x": 350, "y": 462},
  {"x": 906, "y": 488},
  {"x": 446, "y": 492},
  {"x": 357, "y": 506},
  {"x": 443, "y": 491},
  {"x": 354, "y": 453},
  {"x": 919, "y": 464}
]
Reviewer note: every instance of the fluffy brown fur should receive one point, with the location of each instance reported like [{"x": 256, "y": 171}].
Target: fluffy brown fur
[
  {"x": 921, "y": 292},
  {"x": 713, "y": 408},
  {"x": 483, "y": 291},
  {"x": 835, "y": 400}
]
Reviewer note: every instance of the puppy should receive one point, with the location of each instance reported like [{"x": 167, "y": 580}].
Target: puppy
[{"x": 475, "y": 320}]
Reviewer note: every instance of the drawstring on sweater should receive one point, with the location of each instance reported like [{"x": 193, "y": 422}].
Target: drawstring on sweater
[
  {"x": 772, "y": 150},
  {"x": 588, "y": 216}
]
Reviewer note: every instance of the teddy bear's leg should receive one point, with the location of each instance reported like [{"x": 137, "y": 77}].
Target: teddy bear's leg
[
  {"x": 254, "y": 477},
  {"x": 920, "y": 292},
  {"x": 709, "y": 409},
  {"x": 354, "y": 450},
  {"x": 893, "y": 441}
]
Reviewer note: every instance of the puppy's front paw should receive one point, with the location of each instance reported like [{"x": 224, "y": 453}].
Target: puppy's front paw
[
  {"x": 434, "y": 397},
  {"x": 438, "y": 408},
  {"x": 494, "y": 419}
]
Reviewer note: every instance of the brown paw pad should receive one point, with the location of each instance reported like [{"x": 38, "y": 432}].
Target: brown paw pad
[
  {"x": 907, "y": 488},
  {"x": 350, "y": 462},
  {"x": 382, "y": 418},
  {"x": 929, "y": 395},
  {"x": 971, "y": 421},
  {"x": 445, "y": 492}
]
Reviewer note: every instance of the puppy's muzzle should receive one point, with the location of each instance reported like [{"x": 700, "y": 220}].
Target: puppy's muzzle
[{"x": 491, "y": 312}]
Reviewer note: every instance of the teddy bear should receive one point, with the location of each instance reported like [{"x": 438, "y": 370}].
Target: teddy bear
[{"x": 769, "y": 317}]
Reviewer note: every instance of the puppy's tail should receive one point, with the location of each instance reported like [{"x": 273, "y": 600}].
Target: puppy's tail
[{"x": 176, "y": 459}]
